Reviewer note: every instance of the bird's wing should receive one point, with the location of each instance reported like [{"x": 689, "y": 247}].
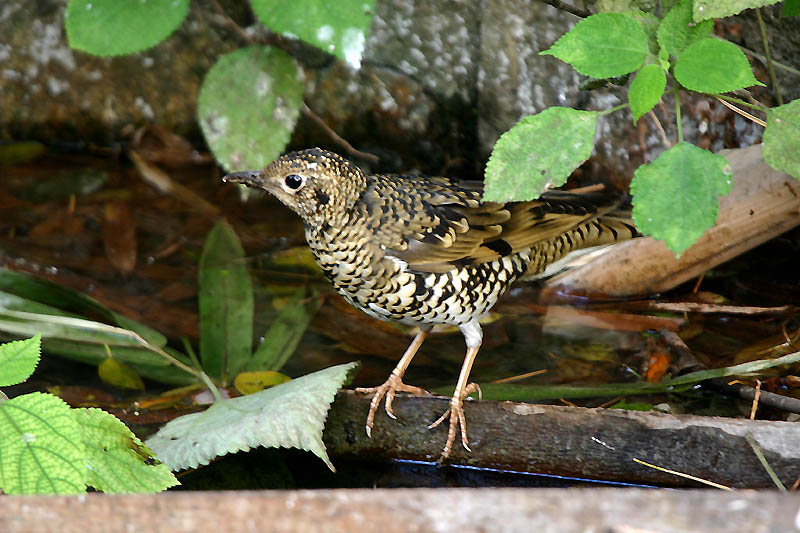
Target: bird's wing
[{"x": 434, "y": 224}]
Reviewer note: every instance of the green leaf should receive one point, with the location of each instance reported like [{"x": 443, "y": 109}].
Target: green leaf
[
  {"x": 84, "y": 340},
  {"x": 40, "y": 446},
  {"x": 18, "y": 360},
  {"x": 539, "y": 152},
  {"x": 281, "y": 340},
  {"x": 646, "y": 90},
  {"x": 291, "y": 415},
  {"x": 118, "y": 374},
  {"x": 714, "y": 66},
  {"x": 678, "y": 30},
  {"x": 73, "y": 302},
  {"x": 112, "y": 28},
  {"x": 14, "y": 153},
  {"x": 603, "y": 46},
  {"x": 710, "y": 9},
  {"x": 790, "y": 8},
  {"x": 663, "y": 59},
  {"x": 117, "y": 461},
  {"x": 225, "y": 299},
  {"x": 248, "y": 106},
  {"x": 339, "y": 28},
  {"x": 632, "y": 406},
  {"x": 250, "y": 382},
  {"x": 649, "y": 24},
  {"x": 782, "y": 137},
  {"x": 675, "y": 198}
]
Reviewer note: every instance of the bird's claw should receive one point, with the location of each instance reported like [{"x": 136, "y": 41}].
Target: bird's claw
[{"x": 388, "y": 390}]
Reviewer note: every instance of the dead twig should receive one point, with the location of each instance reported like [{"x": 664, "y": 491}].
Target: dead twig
[
  {"x": 694, "y": 307},
  {"x": 336, "y": 138},
  {"x": 561, "y": 6},
  {"x": 681, "y": 474}
]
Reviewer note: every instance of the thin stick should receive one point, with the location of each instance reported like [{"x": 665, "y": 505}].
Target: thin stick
[
  {"x": 561, "y": 6},
  {"x": 687, "y": 476},
  {"x": 660, "y": 128},
  {"x": 232, "y": 23},
  {"x": 335, "y": 136},
  {"x": 795, "y": 484},
  {"x": 521, "y": 376},
  {"x": 678, "y": 113},
  {"x": 770, "y": 68},
  {"x": 699, "y": 281},
  {"x": 745, "y": 114},
  {"x": 756, "y": 396}
]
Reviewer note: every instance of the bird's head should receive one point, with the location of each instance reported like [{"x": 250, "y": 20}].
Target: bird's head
[{"x": 316, "y": 184}]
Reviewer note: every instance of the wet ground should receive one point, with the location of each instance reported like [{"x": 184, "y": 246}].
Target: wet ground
[{"x": 91, "y": 220}]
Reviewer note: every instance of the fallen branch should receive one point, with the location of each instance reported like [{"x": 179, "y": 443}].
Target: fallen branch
[
  {"x": 569, "y": 441},
  {"x": 763, "y": 204},
  {"x": 695, "y": 307}
]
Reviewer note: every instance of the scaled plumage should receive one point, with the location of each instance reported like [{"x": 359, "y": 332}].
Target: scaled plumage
[{"x": 425, "y": 251}]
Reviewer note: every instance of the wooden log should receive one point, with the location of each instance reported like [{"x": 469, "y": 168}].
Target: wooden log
[
  {"x": 763, "y": 204},
  {"x": 596, "y": 444}
]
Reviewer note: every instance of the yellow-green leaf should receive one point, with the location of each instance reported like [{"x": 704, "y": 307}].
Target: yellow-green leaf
[
  {"x": 250, "y": 382},
  {"x": 118, "y": 374}
]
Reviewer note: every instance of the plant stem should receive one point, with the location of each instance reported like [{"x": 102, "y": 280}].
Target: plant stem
[
  {"x": 678, "y": 112},
  {"x": 760, "y": 455},
  {"x": 199, "y": 372},
  {"x": 770, "y": 68},
  {"x": 740, "y": 102},
  {"x": 615, "y": 108}
]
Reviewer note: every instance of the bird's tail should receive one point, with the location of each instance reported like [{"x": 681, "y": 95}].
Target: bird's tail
[{"x": 611, "y": 225}]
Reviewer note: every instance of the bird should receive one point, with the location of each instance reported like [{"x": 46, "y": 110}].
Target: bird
[{"x": 424, "y": 251}]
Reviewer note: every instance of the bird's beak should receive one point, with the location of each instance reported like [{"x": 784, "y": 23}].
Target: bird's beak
[{"x": 248, "y": 177}]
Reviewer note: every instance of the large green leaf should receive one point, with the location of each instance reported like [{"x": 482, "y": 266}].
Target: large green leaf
[
  {"x": 112, "y": 28},
  {"x": 18, "y": 360},
  {"x": 40, "y": 446},
  {"x": 711, "y": 9},
  {"x": 675, "y": 198},
  {"x": 539, "y": 152},
  {"x": 117, "y": 461},
  {"x": 225, "y": 294},
  {"x": 714, "y": 66},
  {"x": 606, "y": 45},
  {"x": 790, "y": 8},
  {"x": 248, "y": 106},
  {"x": 782, "y": 138},
  {"x": 340, "y": 28},
  {"x": 290, "y": 415}
]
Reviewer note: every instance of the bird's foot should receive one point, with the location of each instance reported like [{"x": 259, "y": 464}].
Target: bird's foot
[
  {"x": 457, "y": 419},
  {"x": 391, "y": 386}
]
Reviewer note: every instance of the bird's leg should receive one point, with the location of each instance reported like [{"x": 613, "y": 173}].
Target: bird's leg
[
  {"x": 394, "y": 383},
  {"x": 474, "y": 336},
  {"x": 456, "y": 411}
]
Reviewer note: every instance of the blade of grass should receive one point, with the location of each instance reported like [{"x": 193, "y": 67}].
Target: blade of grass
[{"x": 757, "y": 450}]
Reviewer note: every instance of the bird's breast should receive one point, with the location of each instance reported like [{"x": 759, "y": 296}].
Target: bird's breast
[{"x": 385, "y": 287}]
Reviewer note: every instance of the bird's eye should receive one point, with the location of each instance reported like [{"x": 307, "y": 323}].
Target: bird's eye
[{"x": 293, "y": 181}]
